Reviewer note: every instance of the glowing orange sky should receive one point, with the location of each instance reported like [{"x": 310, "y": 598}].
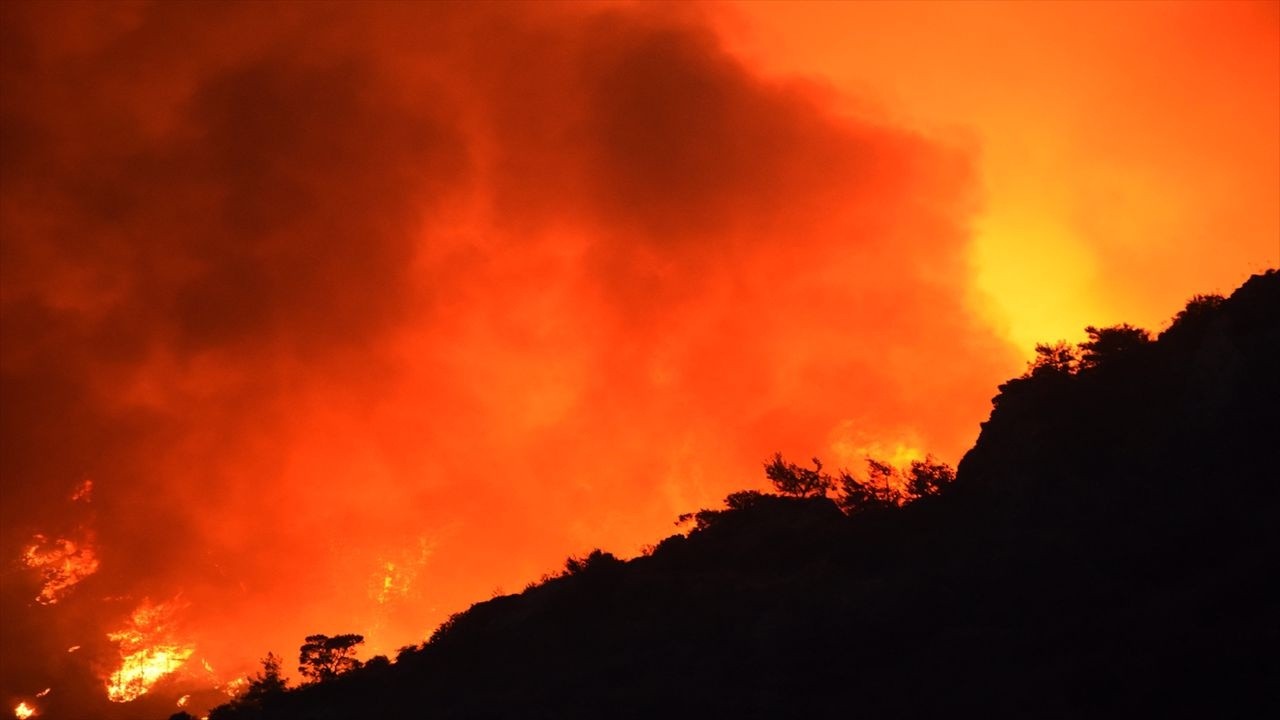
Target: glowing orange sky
[
  {"x": 1129, "y": 152},
  {"x": 357, "y": 314}
]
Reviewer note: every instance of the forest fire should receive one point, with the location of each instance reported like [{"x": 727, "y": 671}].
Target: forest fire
[
  {"x": 147, "y": 652},
  {"x": 236, "y": 686},
  {"x": 337, "y": 317},
  {"x": 24, "y": 711},
  {"x": 395, "y": 578},
  {"x": 62, "y": 564}
]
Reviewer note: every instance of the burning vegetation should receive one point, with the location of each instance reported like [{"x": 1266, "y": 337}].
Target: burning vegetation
[
  {"x": 62, "y": 563},
  {"x": 148, "y": 651}
]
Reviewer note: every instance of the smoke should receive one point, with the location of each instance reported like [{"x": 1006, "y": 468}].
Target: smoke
[{"x": 355, "y": 314}]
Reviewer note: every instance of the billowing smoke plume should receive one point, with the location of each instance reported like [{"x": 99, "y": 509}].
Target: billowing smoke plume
[{"x": 354, "y": 314}]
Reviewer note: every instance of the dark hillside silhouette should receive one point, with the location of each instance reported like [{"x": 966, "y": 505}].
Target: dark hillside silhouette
[{"x": 1108, "y": 548}]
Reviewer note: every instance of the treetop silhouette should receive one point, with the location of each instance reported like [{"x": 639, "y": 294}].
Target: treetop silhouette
[{"x": 323, "y": 658}]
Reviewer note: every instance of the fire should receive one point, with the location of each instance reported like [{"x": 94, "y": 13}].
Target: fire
[
  {"x": 83, "y": 492},
  {"x": 147, "y": 652},
  {"x": 63, "y": 563},
  {"x": 23, "y": 711},
  {"x": 44, "y": 692},
  {"x": 394, "y": 583},
  {"x": 143, "y": 669},
  {"x": 236, "y": 686},
  {"x": 394, "y": 578},
  {"x": 182, "y": 701}
]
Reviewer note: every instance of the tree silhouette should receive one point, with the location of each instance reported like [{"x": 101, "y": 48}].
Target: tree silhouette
[
  {"x": 791, "y": 479},
  {"x": 857, "y": 494},
  {"x": 323, "y": 658},
  {"x": 269, "y": 681},
  {"x": 1106, "y": 344},
  {"x": 885, "y": 483},
  {"x": 596, "y": 560},
  {"x": 1199, "y": 308},
  {"x": 1059, "y": 358},
  {"x": 928, "y": 477}
]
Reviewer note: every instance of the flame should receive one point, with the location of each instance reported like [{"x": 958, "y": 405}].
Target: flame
[
  {"x": 62, "y": 562},
  {"x": 73, "y": 648},
  {"x": 235, "y": 687},
  {"x": 394, "y": 578},
  {"x": 23, "y": 711},
  {"x": 182, "y": 701},
  {"x": 390, "y": 584},
  {"x": 44, "y": 692},
  {"x": 147, "y": 652},
  {"x": 141, "y": 670},
  {"x": 83, "y": 492}
]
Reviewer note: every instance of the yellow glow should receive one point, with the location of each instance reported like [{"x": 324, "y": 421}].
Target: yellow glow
[
  {"x": 1014, "y": 255},
  {"x": 147, "y": 653},
  {"x": 1115, "y": 182},
  {"x": 23, "y": 711},
  {"x": 141, "y": 670}
]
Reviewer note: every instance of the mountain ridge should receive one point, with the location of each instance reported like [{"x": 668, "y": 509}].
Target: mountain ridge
[{"x": 1106, "y": 548}]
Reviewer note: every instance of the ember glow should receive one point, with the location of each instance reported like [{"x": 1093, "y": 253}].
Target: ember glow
[
  {"x": 353, "y": 312},
  {"x": 83, "y": 492}
]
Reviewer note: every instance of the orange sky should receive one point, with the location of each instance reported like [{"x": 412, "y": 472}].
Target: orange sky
[
  {"x": 357, "y": 314},
  {"x": 1129, "y": 152}
]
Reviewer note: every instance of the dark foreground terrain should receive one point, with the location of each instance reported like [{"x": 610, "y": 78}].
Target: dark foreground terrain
[{"x": 1108, "y": 548}]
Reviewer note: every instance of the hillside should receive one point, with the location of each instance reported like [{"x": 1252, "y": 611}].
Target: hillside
[{"x": 1107, "y": 548}]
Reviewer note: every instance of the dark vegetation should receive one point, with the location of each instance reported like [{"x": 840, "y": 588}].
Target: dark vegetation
[{"x": 1109, "y": 547}]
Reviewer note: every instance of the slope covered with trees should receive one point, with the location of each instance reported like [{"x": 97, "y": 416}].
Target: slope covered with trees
[{"x": 1108, "y": 547}]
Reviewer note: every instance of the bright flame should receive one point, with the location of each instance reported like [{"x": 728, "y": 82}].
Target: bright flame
[
  {"x": 143, "y": 669},
  {"x": 63, "y": 563},
  {"x": 23, "y": 711},
  {"x": 182, "y": 701},
  {"x": 44, "y": 692},
  {"x": 147, "y": 653}
]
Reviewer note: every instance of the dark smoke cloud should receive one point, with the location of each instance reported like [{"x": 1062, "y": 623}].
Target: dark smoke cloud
[{"x": 306, "y": 287}]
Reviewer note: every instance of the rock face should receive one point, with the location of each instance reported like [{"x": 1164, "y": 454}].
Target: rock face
[{"x": 1109, "y": 548}]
